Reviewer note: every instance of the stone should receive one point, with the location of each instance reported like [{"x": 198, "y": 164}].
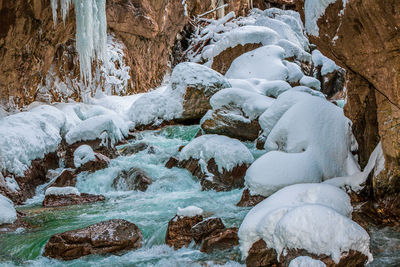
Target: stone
[
  {"x": 66, "y": 178},
  {"x": 260, "y": 256},
  {"x": 135, "y": 148},
  {"x": 220, "y": 122},
  {"x": 111, "y": 236},
  {"x": 172, "y": 162},
  {"x": 178, "y": 232},
  {"x": 100, "y": 162},
  {"x": 204, "y": 228},
  {"x": 71, "y": 199},
  {"x": 220, "y": 239},
  {"x": 331, "y": 83},
  {"x": 248, "y": 200},
  {"x": 133, "y": 179}
]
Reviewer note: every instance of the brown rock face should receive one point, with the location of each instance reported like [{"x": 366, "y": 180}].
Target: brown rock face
[
  {"x": 367, "y": 46},
  {"x": 221, "y": 123},
  {"x": 71, "y": 199},
  {"x": 133, "y": 179},
  {"x": 178, "y": 232},
  {"x": 104, "y": 237},
  {"x": 66, "y": 178},
  {"x": 205, "y": 228},
  {"x": 221, "y": 239},
  {"x": 248, "y": 200},
  {"x": 100, "y": 162}
]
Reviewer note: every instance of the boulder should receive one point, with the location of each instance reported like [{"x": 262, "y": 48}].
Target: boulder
[
  {"x": 66, "y": 178},
  {"x": 105, "y": 237},
  {"x": 172, "y": 162},
  {"x": 249, "y": 200},
  {"x": 331, "y": 83},
  {"x": 179, "y": 230},
  {"x": 220, "y": 239},
  {"x": 223, "y": 123},
  {"x": 100, "y": 162},
  {"x": 204, "y": 228},
  {"x": 71, "y": 199},
  {"x": 135, "y": 148},
  {"x": 133, "y": 179}
]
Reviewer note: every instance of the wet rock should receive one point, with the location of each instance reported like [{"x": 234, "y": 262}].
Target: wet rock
[
  {"x": 100, "y": 162},
  {"x": 179, "y": 230},
  {"x": 66, "y": 178},
  {"x": 220, "y": 239},
  {"x": 135, "y": 148},
  {"x": 133, "y": 179},
  {"x": 281, "y": 4},
  {"x": 172, "y": 162},
  {"x": 260, "y": 256},
  {"x": 70, "y": 199},
  {"x": 331, "y": 83},
  {"x": 204, "y": 228},
  {"x": 18, "y": 224},
  {"x": 248, "y": 200},
  {"x": 105, "y": 237},
  {"x": 222, "y": 122}
]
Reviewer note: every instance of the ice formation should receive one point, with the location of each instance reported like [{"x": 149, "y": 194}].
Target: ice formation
[
  {"x": 60, "y": 191},
  {"x": 91, "y": 31},
  {"x": 189, "y": 211},
  {"x": 82, "y": 155},
  {"x": 8, "y": 213},
  {"x": 227, "y": 152}
]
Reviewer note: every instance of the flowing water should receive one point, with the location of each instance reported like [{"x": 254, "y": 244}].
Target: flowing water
[{"x": 150, "y": 210}]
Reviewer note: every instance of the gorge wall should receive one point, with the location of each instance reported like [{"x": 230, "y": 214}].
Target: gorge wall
[{"x": 364, "y": 38}]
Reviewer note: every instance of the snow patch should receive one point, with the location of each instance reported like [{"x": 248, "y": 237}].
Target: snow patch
[
  {"x": 189, "y": 211},
  {"x": 305, "y": 261},
  {"x": 82, "y": 155},
  {"x": 61, "y": 191},
  {"x": 8, "y": 214}
]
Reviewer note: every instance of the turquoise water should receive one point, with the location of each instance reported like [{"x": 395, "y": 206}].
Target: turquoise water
[{"x": 150, "y": 210}]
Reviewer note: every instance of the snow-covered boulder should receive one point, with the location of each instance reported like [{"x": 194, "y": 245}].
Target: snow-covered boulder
[
  {"x": 68, "y": 195},
  {"x": 82, "y": 155},
  {"x": 235, "y": 113},
  {"x": 185, "y": 98},
  {"x": 310, "y": 218},
  {"x": 8, "y": 214}
]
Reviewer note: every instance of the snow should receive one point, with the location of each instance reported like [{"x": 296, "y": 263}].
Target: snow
[
  {"x": 263, "y": 63},
  {"x": 8, "y": 214},
  {"x": 82, "y": 155},
  {"x": 261, "y": 220},
  {"x": 61, "y": 191},
  {"x": 227, "y": 152},
  {"x": 327, "y": 65},
  {"x": 12, "y": 184},
  {"x": 310, "y": 82},
  {"x": 314, "y": 10},
  {"x": 252, "y": 104},
  {"x": 274, "y": 88},
  {"x": 189, "y": 211},
  {"x": 27, "y": 136},
  {"x": 294, "y": 72},
  {"x": 305, "y": 261},
  {"x": 166, "y": 103},
  {"x": 320, "y": 230}
]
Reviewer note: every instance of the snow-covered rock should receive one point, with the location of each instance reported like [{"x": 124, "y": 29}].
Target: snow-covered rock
[
  {"x": 310, "y": 82},
  {"x": 60, "y": 191},
  {"x": 82, "y": 155},
  {"x": 8, "y": 214}
]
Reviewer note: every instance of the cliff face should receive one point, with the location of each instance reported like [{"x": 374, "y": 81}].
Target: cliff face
[
  {"x": 365, "y": 39},
  {"x": 31, "y": 45}
]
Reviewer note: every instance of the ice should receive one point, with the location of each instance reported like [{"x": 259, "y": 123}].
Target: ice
[
  {"x": 60, "y": 191},
  {"x": 82, "y": 155},
  {"x": 189, "y": 211},
  {"x": 252, "y": 104},
  {"x": 8, "y": 213},
  {"x": 261, "y": 220},
  {"x": 305, "y": 261},
  {"x": 313, "y": 11},
  {"x": 227, "y": 152},
  {"x": 263, "y": 63},
  {"x": 27, "y": 136},
  {"x": 327, "y": 65},
  {"x": 310, "y": 82}
]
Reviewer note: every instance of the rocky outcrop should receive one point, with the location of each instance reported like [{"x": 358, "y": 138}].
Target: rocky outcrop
[
  {"x": 66, "y": 178},
  {"x": 221, "y": 239},
  {"x": 105, "y": 237},
  {"x": 178, "y": 232},
  {"x": 363, "y": 40},
  {"x": 70, "y": 199},
  {"x": 135, "y": 148},
  {"x": 133, "y": 179},
  {"x": 204, "y": 228},
  {"x": 100, "y": 162},
  {"x": 260, "y": 256},
  {"x": 249, "y": 200}
]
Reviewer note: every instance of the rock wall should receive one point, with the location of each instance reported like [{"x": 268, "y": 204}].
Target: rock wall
[
  {"x": 365, "y": 40},
  {"x": 31, "y": 45}
]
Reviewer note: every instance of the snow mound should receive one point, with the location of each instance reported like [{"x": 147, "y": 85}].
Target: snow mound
[
  {"x": 327, "y": 65},
  {"x": 320, "y": 230},
  {"x": 8, "y": 214},
  {"x": 252, "y": 104},
  {"x": 82, "y": 155},
  {"x": 273, "y": 88},
  {"x": 189, "y": 211},
  {"x": 261, "y": 221},
  {"x": 310, "y": 82},
  {"x": 27, "y": 136},
  {"x": 294, "y": 72},
  {"x": 61, "y": 191},
  {"x": 227, "y": 152},
  {"x": 263, "y": 63},
  {"x": 305, "y": 261}
]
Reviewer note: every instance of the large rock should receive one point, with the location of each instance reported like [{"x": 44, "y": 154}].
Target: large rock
[
  {"x": 133, "y": 179},
  {"x": 178, "y": 232},
  {"x": 66, "y": 178},
  {"x": 220, "y": 239},
  {"x": 362, "y": 38},
  {"x": 204, "y": 228},
  {"x": 105, "y": 237},
  {"x": 100, "y": 162},
  {"x": 249, "y": 200},
  {"x": 71, "y": 199}
]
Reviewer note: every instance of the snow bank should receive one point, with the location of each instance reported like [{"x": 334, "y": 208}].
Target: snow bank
[
  {"x": 263, "y": 63},
  {"x": 61, "y": 191},
  {"x": 82, "y": 155},
  {"x": 8, "y": 214},
  {"x": 227, "y": 152},
  {"x": 27, "y": 136},
  {"x": 305, "y": 261},
  {"x": 189, "y": 211},
  {"x": 310, "y": 82},
  {"x": 327, "y": 65},
  {"x": 252, "y": 104},
  {"x": 294, "y": 72},
  {"x": 274, "y": 88},
  {"x": 261, "y": 221}
]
